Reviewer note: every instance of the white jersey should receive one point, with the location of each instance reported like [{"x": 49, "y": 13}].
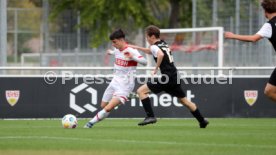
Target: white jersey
[
  {"x": 124, "y": 70},
  {"x": 123, "y": 65},
  {"x": 265, "y": 31}
]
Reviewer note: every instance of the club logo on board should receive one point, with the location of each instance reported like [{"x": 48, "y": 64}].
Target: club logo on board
[
  {"x": 251, "y": 96},
  {"x": 12, "y": 96}
]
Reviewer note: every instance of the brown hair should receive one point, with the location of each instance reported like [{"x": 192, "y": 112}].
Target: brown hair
[
  {"x": 153, "y": 30},
  {"x": 269, "y": 6}
]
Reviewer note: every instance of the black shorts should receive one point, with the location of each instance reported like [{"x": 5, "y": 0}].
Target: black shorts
[
  {"x": 272, "y": 79},
  {"x": 173, "y": 87}
]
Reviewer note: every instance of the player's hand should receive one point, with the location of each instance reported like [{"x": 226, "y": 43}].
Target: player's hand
[
  {"x": 128, "y": 55},
  {"x": 228, "y": 35},
  {"x": 110, "y": 52},
  {"x": 154, "y": 72}
]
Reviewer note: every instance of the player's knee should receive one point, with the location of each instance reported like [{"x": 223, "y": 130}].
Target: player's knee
[
  {"x": 139, "y": 91},
  {"x": 103, "y": 105},
  {"x": 268, "y": 92}
]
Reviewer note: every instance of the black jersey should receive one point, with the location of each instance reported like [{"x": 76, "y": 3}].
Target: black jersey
[
  {"x": 272, "y": 22},
  {"x": 167, "y": 66}
]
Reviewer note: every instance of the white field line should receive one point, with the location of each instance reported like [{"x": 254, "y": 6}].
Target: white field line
[
  {"x": 183, "y": 124},
  {"x": 258, "y": 146},
  {"x": 202, "y": 134}
]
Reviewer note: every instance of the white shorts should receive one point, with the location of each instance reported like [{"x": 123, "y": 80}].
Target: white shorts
[{"x": 119, "y": 89}]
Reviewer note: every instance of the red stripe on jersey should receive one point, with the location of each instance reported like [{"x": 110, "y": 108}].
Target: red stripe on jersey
[
  {"x": 125, "y": 63},
  {"x": 140, "y": 56}
]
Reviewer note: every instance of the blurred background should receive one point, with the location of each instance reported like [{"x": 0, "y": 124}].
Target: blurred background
[{"x": 75, "y": 32}]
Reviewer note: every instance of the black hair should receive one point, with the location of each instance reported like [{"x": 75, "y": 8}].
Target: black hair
[{"x": 117, "y": 34}]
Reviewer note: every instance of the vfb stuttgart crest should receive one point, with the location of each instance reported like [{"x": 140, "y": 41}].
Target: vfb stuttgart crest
[
  {"x": 12, "y": 96},
  {"x": 250, "y": 96}
]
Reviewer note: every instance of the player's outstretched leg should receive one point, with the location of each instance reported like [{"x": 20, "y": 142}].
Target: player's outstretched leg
[
  {"x": 270, "y": 91},
  {"x": 202, "y": 121},
  {"x": 98, "y": 117},
  {"x": 103, "y": 113},
  {"x": 195, "y": 112},
  {"x": 150, "y": 119},
  {"x": 88, "y": 125},
  {"x": 143, "y": 95}
]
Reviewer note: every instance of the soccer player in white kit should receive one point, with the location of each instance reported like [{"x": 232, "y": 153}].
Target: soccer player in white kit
[
  {"x": 122, "y": 84},
  {"x": 268, "y": 31}
]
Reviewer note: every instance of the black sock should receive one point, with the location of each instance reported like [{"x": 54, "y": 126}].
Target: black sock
[
  {"x": 147, "y": 106},
  {"x": 198, "y": 115}
]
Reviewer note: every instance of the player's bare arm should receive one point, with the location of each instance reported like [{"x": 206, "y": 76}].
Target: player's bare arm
[
  {"x": 248, "y": 38},
  {"x": 110, "y": 52},
  {"x": 160, "y": 56},
  {"x": 143, "y": 49}
]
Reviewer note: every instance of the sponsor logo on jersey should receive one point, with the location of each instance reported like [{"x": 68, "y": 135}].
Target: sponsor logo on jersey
[
  {"x": 12, "y": 96},
  {"x": 251, "y": 96},
  {"x": 125, "y": 63}
]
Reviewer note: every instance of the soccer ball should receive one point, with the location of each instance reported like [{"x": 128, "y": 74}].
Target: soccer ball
[{"x": 69, "y": 121}]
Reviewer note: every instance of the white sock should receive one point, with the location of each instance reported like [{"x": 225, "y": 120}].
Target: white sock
[{"x": 99, "y": 116}]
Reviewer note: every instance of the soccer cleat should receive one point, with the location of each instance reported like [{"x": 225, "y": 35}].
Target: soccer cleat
[
  {"x": 148, "y": 120},
  {"x": 88, "y": 125},
  {"x": 203, "y": 124}
]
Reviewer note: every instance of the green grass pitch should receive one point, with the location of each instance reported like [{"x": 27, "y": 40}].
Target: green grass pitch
[{"x": 246, "y": 136}]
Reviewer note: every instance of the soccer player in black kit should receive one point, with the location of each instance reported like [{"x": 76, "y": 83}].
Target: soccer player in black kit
[
  {"x": 163, "y": 58},
  {"x": 268, "y": 30}
]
